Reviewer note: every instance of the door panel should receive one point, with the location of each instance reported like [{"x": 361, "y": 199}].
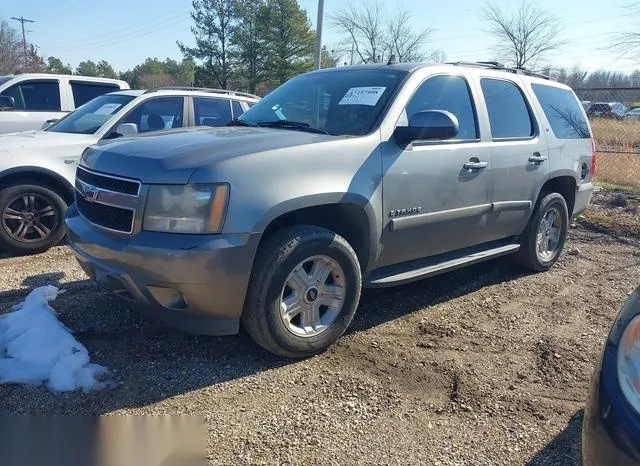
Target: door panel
[
  {"x": 518, "y": 153},
  {"x": 433, "y": 203},
  {"x": 515, "y": 183},
  {"x": 445, "y": 206}
]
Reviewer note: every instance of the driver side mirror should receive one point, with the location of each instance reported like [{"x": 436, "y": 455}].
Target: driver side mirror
[
  {"x": 429, "y": 125},
  {"x": 127, "y": 129},
  {"x": 7, "y": 102}
]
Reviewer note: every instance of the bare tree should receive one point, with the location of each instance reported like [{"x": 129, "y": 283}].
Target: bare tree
[
  {"x": 11, "y": 50},
  {"x": 524, "y": 37},
  {"x": 403, "y": 41},
  {"x": 369, "y": 38},
  {"x": 437, "y": 56},
  {"x": 627, "y": 43},
  {"x": 364, "y": 27}
]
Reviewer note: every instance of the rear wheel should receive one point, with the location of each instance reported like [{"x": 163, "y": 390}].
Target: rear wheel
[
  {"x": 31, "y": 218},
  {"x": 304, "y": 291},
  {"x": 545, "y": 236}
]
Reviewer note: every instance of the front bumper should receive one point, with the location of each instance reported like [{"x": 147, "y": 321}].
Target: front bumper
[
  {"x": 611, "y": 430},
  {"x": 584, "y": 192},
  {"x": 196, "y": 283}
]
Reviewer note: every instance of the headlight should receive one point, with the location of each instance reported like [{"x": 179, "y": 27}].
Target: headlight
[
  {"x": 192, "y": 209},
  {"x": 629, "y": 363}
]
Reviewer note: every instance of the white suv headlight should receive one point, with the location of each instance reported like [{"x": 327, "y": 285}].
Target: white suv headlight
[
  {"x": 194, "y": 209},
  {"x": 629, "y": 363}
]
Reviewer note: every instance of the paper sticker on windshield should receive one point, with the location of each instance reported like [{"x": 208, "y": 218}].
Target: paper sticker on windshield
[
  {"x": 107, "y": 109},
  {"x": 363, "y": 96}
]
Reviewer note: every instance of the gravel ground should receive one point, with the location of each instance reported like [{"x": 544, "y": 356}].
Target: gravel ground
[{"x": 487, "y": 365}]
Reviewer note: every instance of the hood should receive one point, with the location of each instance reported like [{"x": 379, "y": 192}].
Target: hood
[
  {"x": 43, "y": 140},
  {"x": 173, "y": 156}
]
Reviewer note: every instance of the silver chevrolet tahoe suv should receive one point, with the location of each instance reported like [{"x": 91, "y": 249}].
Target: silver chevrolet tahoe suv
[{"x": 351, "y": 177}]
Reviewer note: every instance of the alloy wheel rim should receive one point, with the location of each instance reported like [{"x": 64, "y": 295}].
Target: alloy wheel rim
[
  {"x": 548, "y": 235},
  {"x": 29, "y": 218},
  {"x": 313, "y": 296}
]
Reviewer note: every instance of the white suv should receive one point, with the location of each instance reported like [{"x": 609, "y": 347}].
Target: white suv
[
  {"x": 27, "y": 101},
  {"x": 37, "y": 168}
]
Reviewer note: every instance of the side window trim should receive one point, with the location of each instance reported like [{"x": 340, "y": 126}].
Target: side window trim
[
  {"x": 474, "y": 109},
  {"x": 535, "y": 127},
  {"x": 39, "y": 80}
]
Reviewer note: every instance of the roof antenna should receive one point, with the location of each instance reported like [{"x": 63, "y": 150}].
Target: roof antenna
[{"x": 392, "y": 60}]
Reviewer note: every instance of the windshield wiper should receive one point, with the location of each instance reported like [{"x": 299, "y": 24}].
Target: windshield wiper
[
  {"x": 288, "y": 124},
  {"x": 236, "y": 122}
]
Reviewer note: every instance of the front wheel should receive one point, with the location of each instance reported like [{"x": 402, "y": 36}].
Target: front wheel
[
  {"x": 304, "y": 291},
  {"x": 545, "y": 236},
  {"x": 31, "y": 218}
]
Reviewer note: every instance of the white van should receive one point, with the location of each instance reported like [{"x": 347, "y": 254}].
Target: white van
[{"x": 29, "y": 101}]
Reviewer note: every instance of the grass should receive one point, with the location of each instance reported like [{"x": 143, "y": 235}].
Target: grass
[
  {"x": 617, "y": 188},
  {"x": 610, "y": 132}
]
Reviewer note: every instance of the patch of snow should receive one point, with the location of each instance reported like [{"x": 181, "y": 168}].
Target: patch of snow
[{"x": 36, "y": 348}]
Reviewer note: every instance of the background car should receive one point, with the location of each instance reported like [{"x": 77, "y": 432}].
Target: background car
[
  {"x": 37, "y": 168},
  {"x": 27, "y": 101},
  {"x": 611, "y": 430},
  {"x": 607, "y": 110},
  {"x": 633, "y": 114}
]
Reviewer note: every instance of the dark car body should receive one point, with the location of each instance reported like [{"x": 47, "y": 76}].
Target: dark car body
[{"x": 611, "y": 429}]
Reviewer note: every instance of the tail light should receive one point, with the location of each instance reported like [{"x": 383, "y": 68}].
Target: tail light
[{"x": 594, "y": 149}]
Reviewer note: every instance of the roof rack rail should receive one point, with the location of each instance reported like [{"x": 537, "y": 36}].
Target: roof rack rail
[
  {"x": 494, "y": 65},
  {"x": 202, "y": 89}
]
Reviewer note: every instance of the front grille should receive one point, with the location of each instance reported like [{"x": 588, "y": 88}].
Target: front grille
[
  {"x": 107, "y": 182},
  {"x": 106, "y": 216}
]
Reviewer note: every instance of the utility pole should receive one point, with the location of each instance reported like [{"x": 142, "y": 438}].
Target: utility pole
[
  {"x": 319, "y": 34},
  {"x": 23, "y": 20}
]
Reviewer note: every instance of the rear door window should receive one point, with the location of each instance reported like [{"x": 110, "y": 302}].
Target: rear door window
[
  {"x": 37, "y": 96},
  {"x": 509, "y": 113},
  {"x": 563, "y": 112},
  {"x": 83, "y": 92},
  {"x": 211, "y": 112}
]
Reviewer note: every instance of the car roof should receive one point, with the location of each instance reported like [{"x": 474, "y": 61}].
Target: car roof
[
  {"x": 172, "y": 92},
  {"x": 131, "y": 92},
  {"x": 411, "y": 67},
  {"x": 70, "y": 76}
]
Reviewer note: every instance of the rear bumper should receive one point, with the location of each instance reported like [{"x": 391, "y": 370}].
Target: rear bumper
[
  {"x": 584, "y": 192},
  {"x": 196, "y": 283}
]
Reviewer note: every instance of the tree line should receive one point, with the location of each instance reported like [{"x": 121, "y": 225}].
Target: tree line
[{"x": 255, "y": 45}]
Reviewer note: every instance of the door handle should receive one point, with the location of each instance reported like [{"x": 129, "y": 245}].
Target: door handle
[
  {"x": 475, "y": 164},
  {"x": 537, "y": 158}
]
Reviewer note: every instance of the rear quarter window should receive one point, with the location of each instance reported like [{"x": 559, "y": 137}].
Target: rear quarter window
[
  {"x": 563, "y": 111},
  {"x": 84, "y": 91}
]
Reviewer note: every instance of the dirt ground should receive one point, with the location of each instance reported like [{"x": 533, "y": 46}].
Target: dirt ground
[{"x": 487, "y": 365}]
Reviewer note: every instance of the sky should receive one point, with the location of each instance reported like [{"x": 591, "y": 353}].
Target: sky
[{"x": 125, "y": 33}]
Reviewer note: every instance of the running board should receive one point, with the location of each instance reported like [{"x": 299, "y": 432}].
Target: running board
[{"x": 417, "y": 270}]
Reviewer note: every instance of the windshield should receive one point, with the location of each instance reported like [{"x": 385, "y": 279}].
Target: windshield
[
  {"x": 88, "y": 118},
  {"x": 4, "y": 79},
  {"x": 335, "y": 102}
]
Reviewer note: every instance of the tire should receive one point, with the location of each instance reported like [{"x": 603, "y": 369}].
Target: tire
[
  {"x": 549, "y": 205},
  {"x": 274, "y": 283},
  {"x": 47, "y": 211}
]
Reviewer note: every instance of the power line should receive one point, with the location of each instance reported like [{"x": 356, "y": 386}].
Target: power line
[
  {"x": 23, "y": 20},
  {"x": 114, "y": 37}
]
